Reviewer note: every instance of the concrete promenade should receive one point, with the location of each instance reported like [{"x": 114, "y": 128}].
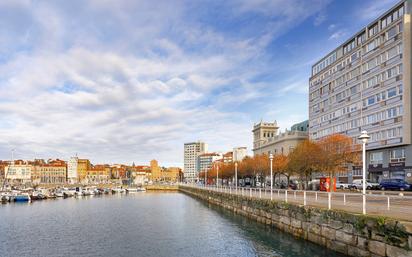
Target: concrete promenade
[{"x": 388, "y": 204}]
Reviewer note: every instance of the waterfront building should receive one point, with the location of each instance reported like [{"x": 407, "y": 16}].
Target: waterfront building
[
  {"x": 205, "y": 161},
  {"x": 83, "y": 165},
  {"x": 365, "y": 84},
  {"x": 72, "y": 175},
  {"x": 173, "y": 174},
  {"x": 267, "y": 138},
  {"x": 3, "y": 165},
  {"x": 239, "y": 153},
  {"x": 19, "y": 172},
  {"x": 98, "y": 174},
  {"x": 141, "y": 175},
  {"x": 155, "y": 170},
  {"x": 227, "y": 157},
  {"x": 52, "y": 172},
  {"x": 191, "y": 152}
]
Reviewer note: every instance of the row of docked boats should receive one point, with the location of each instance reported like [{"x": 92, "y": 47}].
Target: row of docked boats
[{"x": 29, "y": 194}]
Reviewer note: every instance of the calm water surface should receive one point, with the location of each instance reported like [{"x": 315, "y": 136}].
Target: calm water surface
[{"x": 145, "y": 224}]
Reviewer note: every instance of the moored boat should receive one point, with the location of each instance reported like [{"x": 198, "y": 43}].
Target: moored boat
[{"x": 22, "y": 198}]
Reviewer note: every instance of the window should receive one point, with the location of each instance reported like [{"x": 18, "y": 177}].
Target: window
[
  {"x": 391, "y": 33},
  {"x": 391, "y": 112},
  {"x": 376, "y": 158},
  {"x": 373, "y": 30},
  {"x": 371, "y": 100},
  {"x": 370, "y": 46},
  {"x": 391, "y": 92},
  {"x": 392, "y": 52},
  {"x": 397, "y": 155},
  {"x": 372, "y": 64},
  {"x": 354, "y": 57}
]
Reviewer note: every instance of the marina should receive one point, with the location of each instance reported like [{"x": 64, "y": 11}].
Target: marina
[{"x": 31, "y": 194}]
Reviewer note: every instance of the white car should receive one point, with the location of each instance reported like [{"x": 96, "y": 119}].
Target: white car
[
  {"x": 358, "y": 184},
  {"x": 342, "y": 185}
]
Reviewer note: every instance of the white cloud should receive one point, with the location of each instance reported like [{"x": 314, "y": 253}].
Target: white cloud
[{"x": 132, "y": 81}]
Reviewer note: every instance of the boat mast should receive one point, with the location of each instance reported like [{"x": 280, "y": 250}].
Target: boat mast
[{"x": 5, "y": 173}]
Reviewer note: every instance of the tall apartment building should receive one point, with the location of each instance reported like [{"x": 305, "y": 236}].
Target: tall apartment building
[
  {"x": 365, "y": 84},
  {"x": 267, "y": 139},
  {"x": 191, "y": 152}
]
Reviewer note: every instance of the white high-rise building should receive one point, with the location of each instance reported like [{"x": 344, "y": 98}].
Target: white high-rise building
[
  {"x": 239, "y": 153},
  {"x": 191, "y": 152},
  {"x": 72, "y": 176},
  {"x": 365, "y": 84}
]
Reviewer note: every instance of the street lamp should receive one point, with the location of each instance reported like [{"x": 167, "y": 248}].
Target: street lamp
[
  {"x": 271, "y": 175},
  {"x": 205, "y": 177},
  {"x": 217, "y": 175},
  {"x": 236, "y": 176},
  {"x": 364, "y": 138}
]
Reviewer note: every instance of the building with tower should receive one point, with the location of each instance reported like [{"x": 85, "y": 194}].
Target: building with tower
[{"x": 267, "y": 139}]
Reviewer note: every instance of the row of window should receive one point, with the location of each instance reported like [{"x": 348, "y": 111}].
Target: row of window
[
  {"x": 353, "y": 45},
  {"x": 369, "y": 119},
  {"x": 387, "y": 74},
  {"x": 386, "y": 134},
  {"x": 387, "y": 94},
  {"x": 387, "y": 55},
  {"x": 394, "y": 155}
]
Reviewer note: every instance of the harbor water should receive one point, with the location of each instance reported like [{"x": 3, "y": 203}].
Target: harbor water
[{"x": 141, "y": 224}]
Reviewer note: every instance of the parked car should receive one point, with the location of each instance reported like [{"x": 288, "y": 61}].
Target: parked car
[
  {"x": 342, "y": 185},
  {"x": 358, "y": 184},
  {"x": 395, "y": 184}
]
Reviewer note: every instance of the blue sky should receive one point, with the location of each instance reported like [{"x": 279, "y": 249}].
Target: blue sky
[{"x": 129, "y": 81}]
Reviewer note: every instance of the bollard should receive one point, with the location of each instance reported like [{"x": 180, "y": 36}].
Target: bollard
[
  {"x": 344, "y": 199},
  {"x": 286, "y": 195},
  {"x": 389, "y": 204},
  {"x": 271, "y": 194},
  {"x": 304, "y": 198},
  {"x": 329, "y": 200},
  {"x": 260, "y": 192},
  {"x": 316, "y": 196},
  {"x": 294, "y": 194},
  {"x": 250, "y": 192}
]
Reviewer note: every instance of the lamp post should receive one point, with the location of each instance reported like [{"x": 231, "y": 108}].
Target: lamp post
[
  {"x": 205, "y": 177},
  {"x": 236, "y": 176},
  {"x": 364, "y": 138},
  {"x": 271, "y": 175},
  {"x": 217, "y": 175}
]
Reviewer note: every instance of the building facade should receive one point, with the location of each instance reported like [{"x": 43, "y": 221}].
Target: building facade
[
  {"x": 83, "y": 165},
  {"x": 53, "y": 172},
  {"x": 191, "y": 152},
  {"x": 268, "y": 140},
  {"x": 365, "y": 84},
  {"x": 239, "y": 153},
  {"x": 72, "y": 176},
  {"x": 19, "y": 172},
  {"x": 205, "y": 161}
]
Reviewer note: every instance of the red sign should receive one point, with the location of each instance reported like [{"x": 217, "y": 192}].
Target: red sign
[{"x": 327, "y": 184}]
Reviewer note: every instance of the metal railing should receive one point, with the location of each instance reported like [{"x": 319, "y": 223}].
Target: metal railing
[{"x": 398, "y": 206}]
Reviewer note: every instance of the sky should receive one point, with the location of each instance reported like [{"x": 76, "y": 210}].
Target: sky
[{"x": 129, "y": 81}]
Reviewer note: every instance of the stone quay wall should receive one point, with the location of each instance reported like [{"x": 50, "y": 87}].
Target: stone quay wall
[
  {"x": 347, "y": 233},
  {"x": 162, "y": 188}
]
